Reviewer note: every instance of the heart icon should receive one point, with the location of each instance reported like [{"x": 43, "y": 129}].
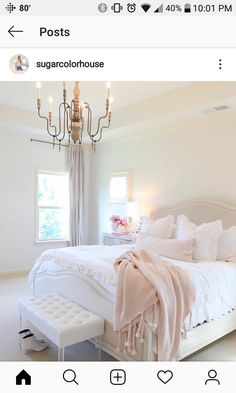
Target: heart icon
[{"x": 165, "y": 376}]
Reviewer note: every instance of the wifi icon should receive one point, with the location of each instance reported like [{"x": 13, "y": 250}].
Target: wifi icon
[{"x": 146, "y": 7}]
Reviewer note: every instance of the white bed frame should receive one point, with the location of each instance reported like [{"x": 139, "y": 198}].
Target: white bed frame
[{"x": 198, "y": 211}]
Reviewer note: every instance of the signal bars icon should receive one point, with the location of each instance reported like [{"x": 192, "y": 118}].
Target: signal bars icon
[
  {"x": 159, "y": 9},
  {"x": 10, "y": 8}
]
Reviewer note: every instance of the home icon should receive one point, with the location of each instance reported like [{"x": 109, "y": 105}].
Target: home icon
[{"x": 23, "y": 378}]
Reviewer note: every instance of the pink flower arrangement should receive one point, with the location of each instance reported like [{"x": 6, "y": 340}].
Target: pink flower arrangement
[
  {"x": 115, "y": 218},
  {"x": 118, "y": 220}
]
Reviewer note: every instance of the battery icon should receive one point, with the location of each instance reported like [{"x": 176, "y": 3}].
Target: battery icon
[{"x": 187, "y": 8}]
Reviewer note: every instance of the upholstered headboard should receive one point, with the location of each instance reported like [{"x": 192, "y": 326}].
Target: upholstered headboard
[{"x": 200, "y": 211}]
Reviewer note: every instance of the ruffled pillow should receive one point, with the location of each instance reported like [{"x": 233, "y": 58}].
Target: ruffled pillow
[
  {"x": 206, "y": 235},
  {"x": 161, "y": 228},
  {"x": 227, "y": 245}
]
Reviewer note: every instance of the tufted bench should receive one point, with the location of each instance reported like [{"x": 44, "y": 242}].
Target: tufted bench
[{"x": 61, "y": 321}]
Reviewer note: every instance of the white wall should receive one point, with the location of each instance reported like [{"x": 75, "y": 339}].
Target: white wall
[
  {"x": 19, "y": 159},
  {"x": 194, "y": 161}
]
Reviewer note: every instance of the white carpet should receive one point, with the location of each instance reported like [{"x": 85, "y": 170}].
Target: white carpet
[{"x": 14, "y": 287}]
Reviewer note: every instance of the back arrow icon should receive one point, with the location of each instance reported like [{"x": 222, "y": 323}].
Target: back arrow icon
[{"x": 11, "y": 31}]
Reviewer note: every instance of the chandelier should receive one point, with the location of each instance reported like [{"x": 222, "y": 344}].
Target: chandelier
[{"x": 74, "y": 118}]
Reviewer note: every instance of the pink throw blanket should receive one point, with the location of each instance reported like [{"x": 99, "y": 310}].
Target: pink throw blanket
[{"x": 144, "y": 280}]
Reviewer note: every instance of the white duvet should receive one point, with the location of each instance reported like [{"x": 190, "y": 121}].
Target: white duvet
[{"x": 215, "y": 282}]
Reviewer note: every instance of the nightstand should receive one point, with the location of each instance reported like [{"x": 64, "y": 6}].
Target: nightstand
[{"x": 115, "y": 239}]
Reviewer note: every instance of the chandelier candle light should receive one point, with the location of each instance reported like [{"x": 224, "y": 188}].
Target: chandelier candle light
[{"x": 74, "y": 118}]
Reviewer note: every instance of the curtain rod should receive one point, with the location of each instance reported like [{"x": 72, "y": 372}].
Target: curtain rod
[{"x": 47, "y": 142}]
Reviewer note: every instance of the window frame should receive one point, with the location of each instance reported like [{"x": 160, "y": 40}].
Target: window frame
[
  {"x": 37, "y": 173},
  {"x": 128, "y": 177}
]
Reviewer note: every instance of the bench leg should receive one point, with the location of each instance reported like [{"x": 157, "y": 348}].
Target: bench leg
[
  {"x": 61, "y": 354},
  {"x": 99, "y": 339},
  {"x": 20, "y": 322}
]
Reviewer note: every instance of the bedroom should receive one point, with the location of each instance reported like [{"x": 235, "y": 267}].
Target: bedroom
[{"x": 169, "y": 143}]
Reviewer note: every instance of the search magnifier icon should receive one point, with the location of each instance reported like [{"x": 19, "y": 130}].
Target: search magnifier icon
[{"x": 70, "y": 376}]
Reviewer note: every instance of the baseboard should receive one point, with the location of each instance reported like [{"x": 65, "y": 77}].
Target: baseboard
[{"x": 14, "y": 271}]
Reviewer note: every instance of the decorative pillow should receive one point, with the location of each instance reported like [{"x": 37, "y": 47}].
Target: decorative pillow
[
  {"x": 161, "y": 228},
  {"x": 206, "y": 235},
  {"x": 184, "y": 227},
  {"x": 171, "y": 248},
  {"x": 227, "y": 245}
]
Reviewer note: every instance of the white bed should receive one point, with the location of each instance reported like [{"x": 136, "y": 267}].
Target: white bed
[{"x": 91, "y": 283}]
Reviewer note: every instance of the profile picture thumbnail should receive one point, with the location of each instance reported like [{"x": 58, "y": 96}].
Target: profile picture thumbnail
[{"x": 19, "y": 64}]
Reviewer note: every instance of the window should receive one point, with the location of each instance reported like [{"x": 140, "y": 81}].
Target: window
[
  {"x": 52, "y": 206},
  {"x": 119, "y": 187}
]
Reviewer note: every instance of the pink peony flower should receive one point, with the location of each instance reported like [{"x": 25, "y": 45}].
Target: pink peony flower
[
  {"x": 115, "y": 218},
  {"x": 118, "y": 220}
]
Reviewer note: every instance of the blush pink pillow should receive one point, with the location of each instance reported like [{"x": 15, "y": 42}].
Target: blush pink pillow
[{"x": 171, "y": 248}]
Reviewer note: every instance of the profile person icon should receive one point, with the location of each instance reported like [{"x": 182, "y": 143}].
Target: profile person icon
[
  {"x": 19, "y": 64},
  {"x": 212, "y": 374}
]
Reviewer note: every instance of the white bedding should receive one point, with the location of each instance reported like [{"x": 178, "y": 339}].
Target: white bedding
[{"x": 215, "y": 282}]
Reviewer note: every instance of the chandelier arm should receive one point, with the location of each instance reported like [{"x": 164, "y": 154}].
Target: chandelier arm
[
  {"x": 101, "y": 132},
  {"x": 57, "y": 136},
  {"x": 71, "y": 109},
  {"x": 102, "y": 118},
  {"x": 65, "y": 125},
  {"x": 60, "y": 126},
  {"x": 67, "y": 109},
  {"x": 54, "y": 128},
  {"x": 99, "y": 123},
  {"x": 89, "y": 124},
  {"x": 48, "y": 125}
]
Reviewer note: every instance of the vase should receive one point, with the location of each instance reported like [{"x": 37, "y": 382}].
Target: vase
[{"x": 114, "y": 226}]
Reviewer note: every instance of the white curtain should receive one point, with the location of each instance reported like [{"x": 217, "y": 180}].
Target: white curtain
[{"x": 76, "y": 175}]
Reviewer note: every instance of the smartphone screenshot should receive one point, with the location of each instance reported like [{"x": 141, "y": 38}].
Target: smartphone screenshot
[{"x": 117, "y": 196}]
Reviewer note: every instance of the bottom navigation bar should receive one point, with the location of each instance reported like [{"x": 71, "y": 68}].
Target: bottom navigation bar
[{"x": 111, "y": 376}]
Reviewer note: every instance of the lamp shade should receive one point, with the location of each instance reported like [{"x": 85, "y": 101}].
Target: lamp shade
[{"x": 132, "y": 211}]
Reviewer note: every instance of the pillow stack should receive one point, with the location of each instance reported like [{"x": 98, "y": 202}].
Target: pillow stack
[
  {"x": 186, "y": 241},
  {"x": 156, "y": 236}
]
